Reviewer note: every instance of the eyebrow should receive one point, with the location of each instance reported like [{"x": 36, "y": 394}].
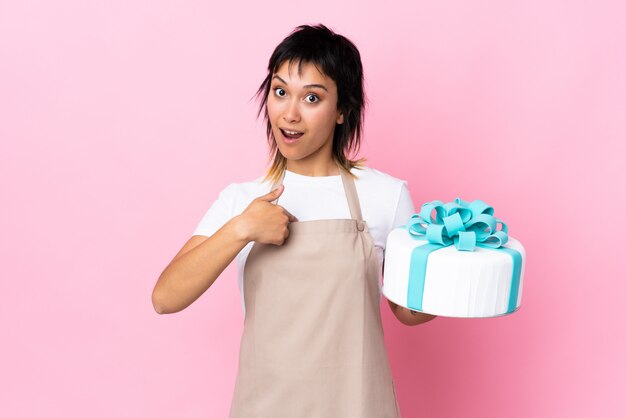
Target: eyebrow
[{"x": 308, "y": 86}]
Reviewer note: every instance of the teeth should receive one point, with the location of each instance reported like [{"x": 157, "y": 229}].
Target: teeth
[{"x": 292, "y": 132}]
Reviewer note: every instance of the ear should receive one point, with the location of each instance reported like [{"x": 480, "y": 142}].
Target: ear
[{"x": 340, "y": 118}]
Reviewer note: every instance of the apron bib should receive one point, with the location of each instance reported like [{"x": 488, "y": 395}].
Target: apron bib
[{"x": 312, "y": 344}]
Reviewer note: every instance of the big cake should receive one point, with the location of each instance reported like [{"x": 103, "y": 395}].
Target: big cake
[{"x": 452, "y": 260}]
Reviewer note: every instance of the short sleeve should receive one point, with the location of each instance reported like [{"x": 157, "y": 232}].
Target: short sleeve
[
  {"x": 404, "y": 207},
  {"x": 220, "y": 212}
]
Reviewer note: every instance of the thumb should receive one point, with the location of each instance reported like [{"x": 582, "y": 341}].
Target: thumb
[{"x": 273, "y": 195}]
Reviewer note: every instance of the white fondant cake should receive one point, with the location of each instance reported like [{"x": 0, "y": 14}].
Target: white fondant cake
[{"x": 443, "y": 280}]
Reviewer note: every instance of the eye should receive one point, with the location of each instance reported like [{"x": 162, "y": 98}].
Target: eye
[
  {"x": 277, "y": 89},
  {"x": 314, "y": 96}
]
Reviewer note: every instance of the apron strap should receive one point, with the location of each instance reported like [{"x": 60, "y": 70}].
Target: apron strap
[
  {"x": 348, "y": 186},
  {"x": 351, "y": 194}
]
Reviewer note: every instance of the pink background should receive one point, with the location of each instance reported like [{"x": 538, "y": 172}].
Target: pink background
[{"x": 120, "y": 122}]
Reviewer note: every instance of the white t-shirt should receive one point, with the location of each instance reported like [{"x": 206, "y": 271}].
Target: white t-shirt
[{"x": 385, "y": 203}]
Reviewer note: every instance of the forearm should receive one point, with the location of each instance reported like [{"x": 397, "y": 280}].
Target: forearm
[
  {"x": 409, "y": 317},
  {"x": 189, "y": 275}
]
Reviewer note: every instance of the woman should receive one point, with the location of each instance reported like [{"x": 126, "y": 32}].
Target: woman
[{"x": 310, "y": 268}]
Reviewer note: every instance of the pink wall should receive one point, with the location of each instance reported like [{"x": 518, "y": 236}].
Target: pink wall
[{"x": 121, "y": 121}]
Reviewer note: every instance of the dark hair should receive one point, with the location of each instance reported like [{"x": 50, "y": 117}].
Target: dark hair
[{"x": 336, "y": 57}]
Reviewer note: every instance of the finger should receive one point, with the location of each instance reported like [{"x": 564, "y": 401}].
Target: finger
[
  {"x": 291, "y": 217},
  {"x": 284, "y": 238},
  {"x": 273, "y": 195}
]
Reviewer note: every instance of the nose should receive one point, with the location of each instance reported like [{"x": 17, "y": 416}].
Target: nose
[{"x": 292, "y": 113}]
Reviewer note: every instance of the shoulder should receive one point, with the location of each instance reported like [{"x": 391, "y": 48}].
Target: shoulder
[
  {"x": 373, "y": 178},
  {"x": 242, "y": 193},
  {"x": 231, "y": 200},
  {"x": 379, "y": 189},
  {"x": 385, "y": 194}
]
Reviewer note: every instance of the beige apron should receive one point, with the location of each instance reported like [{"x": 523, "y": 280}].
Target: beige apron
[{"x": 312, "y": 344}]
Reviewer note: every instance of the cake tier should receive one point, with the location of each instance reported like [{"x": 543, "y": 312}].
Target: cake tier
[{"x": 467, "y": 284}]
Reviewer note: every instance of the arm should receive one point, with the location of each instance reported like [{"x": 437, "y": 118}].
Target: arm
[
  {"x": 196, "y": 266},
  {"x": 201, "y": 260}
]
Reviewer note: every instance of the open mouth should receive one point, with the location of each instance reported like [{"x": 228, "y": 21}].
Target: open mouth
[{"x": 291, "y": 134}]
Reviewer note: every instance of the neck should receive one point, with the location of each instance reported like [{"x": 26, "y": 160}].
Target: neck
[{"x": 314, "y": 169}]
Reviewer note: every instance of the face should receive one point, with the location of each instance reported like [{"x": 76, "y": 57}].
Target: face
[{"x": 302, "y": 110}]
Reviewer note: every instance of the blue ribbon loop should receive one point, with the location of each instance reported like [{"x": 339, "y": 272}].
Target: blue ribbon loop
[
  {"x": 464, "y": 225},
  {"x": 459, "y": 223}
]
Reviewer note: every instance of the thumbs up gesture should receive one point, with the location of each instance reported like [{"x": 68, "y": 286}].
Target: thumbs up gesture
[{"x": 264, "y": 222}]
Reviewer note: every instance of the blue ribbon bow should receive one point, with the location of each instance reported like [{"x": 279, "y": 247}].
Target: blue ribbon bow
[
  {"x": 463, "y": 224},
  {"x": 467, "y": 226}
]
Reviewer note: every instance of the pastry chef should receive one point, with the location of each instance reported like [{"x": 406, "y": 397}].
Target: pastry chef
[{"x": 309, "y": 241}]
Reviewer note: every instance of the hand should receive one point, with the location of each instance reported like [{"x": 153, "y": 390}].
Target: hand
[
  {"x": 412, "y": 312},
  {"x": 265, "y": 222}
]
